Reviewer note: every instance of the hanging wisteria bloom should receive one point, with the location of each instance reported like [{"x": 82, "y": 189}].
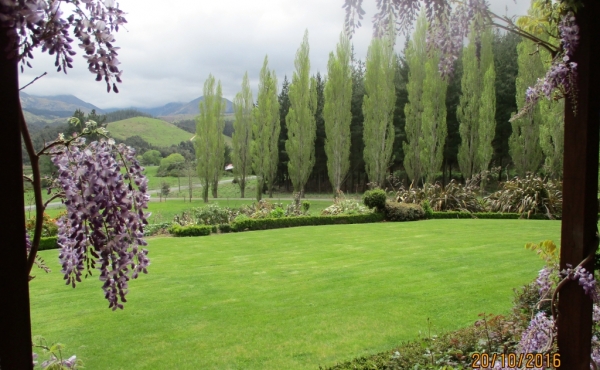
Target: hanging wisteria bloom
[
  {"x": 105, "y": 194},
  {"x": 41, "y": 23},
  {"x": 560, "y": 79}
]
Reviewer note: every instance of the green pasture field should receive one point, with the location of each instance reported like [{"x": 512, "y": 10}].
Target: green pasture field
[
  {"x": 154, "y": 131},
  {"x": 292, "y": 298}
]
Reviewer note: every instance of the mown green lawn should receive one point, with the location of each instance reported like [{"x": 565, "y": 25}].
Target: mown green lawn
[{"x": 291, "y": 298}]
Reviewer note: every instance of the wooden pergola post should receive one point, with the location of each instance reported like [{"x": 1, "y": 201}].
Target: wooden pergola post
[
  {"x": 580, "y": 187},
  {"x": 15, "y": 326}
]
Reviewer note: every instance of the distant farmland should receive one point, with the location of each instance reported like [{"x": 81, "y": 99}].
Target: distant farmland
[{"x": 154, "y": 131}]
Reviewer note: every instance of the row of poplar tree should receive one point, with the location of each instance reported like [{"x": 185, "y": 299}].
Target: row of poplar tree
[{"x": 392, "y": 113}]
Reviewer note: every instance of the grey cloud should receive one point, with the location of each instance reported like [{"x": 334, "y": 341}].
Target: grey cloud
[{"x": 167, "y": 54}]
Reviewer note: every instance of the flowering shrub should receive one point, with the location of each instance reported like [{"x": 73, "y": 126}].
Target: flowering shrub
[
  {"x": 49, "y": 226},
  {"x": 260, "y": 209},
  {"x": 209, "y": 215},
  {"x": 345, "y": 207}
]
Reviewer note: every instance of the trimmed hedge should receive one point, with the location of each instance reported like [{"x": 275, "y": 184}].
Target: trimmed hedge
[
  {"x": 395, "y": 211},
  {"x": 154, "y": 229},
  {"x": 277, "y": 223},
  {"x": 225, "y": 228},
  {"x": 487, "y": 215},
  {"x": 191, "y": 230},
  {"x": 375, "y": 199},
  {"x": 48, "y": 242}
]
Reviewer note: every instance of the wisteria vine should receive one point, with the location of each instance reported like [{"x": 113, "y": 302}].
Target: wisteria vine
[
  {"x": 105, "y": 193},
  {"x": 41, "y": 23}
]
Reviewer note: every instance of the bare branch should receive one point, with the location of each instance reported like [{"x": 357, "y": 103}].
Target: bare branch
[{"x": 35, "y": 79}]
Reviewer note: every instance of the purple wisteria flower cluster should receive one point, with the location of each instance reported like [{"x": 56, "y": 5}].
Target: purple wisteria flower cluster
[
  {"x": 54, "y": 362},
  {"x": 586, "y": 280},
  {"x": 546, "y": 280},
  {"x": 451, "y": 24},
  {"x": 34, "y": 23},
  {"x": 562, "y": 74},
  {"x": 105, "y": 196},
  {"x": 539, "y": 336}
]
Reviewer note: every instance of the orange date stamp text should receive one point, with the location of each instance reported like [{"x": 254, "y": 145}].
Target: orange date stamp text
[{"x": 520, "y": 360}]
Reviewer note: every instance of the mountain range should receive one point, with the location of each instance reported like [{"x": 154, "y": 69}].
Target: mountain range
[{"x": 48, "y": 110}]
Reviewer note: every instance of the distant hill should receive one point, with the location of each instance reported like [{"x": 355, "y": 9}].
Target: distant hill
[
  {"x": 41, "y": 111},
  {"x": 156, "y": 132},
  {"x": 60, "y": 104},
  {"x": 182, "y": 110},
  {"x": 37, "y": 122},
  {"x": 121, "y": 114}
]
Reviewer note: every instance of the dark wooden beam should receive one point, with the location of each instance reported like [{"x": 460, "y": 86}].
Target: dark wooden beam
[
  {"x": 580, "y": 187},
  {"x": 15, "y": 327}
]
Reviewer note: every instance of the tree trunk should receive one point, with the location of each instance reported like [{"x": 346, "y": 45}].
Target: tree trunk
[
  {"x": 190, "y": 187},
  {"x": 580, "y": 189},
  {"x": 205, "y": 191},
  {"x": 259, "y": 188},
  {"x": 15, "y": 322},
  {"x": 215, "y": 187}
]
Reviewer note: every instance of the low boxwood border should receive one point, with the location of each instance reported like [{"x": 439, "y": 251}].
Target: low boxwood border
[
  {"x": 191, "y": 230},
  {"x": 277, "y": 223},
  {"x": 48, "y": 242}
]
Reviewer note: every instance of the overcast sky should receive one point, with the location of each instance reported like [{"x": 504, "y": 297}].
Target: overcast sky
[{"x": 169, "y": 47}]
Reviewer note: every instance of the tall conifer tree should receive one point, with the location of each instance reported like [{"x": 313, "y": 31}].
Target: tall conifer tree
[
  {"x": 337, "y": 114},
  {"x": 552, "y": 128},
  {"x": 265, "y": 130},
  {"x": 524, "y": 145},
  {"x": 487, "y": 103},
  {"x": 219, "y": 107},
  {"x": 433, "y": 119},
  {"x": 468, "y": 110},
  {"x": 477, "y": 108},
  {"x": 552, "y": 134},
  {"x": 300, "y": 120},
  {"x": 209, "y": 141},
  {"x": 416, "y": 55},
  {"x": 242, "y": 134},
  {"x": 378, "y": 106}
]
